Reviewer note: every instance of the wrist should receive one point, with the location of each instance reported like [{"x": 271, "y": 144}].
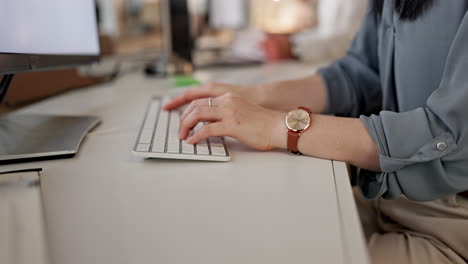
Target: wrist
[{"x": 279, "y": 131}]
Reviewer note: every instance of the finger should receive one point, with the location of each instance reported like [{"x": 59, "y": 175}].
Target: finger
[
  {"x": 188, "y": 96},
  {"x": 196, "y": 103},
  {"x": 210, "y": 130},
  {"x": 200, "y": 114}
]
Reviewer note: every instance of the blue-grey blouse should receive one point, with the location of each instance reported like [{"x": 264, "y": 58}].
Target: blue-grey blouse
[{"x": 408, "y": 82}]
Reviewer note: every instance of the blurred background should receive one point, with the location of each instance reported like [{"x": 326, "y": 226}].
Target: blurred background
[
  {"x": 250, "y": 30},
  {"x": 167, "y": 37}
]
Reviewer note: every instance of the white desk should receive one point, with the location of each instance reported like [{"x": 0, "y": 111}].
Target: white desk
[{"x": 106, "y": 206}]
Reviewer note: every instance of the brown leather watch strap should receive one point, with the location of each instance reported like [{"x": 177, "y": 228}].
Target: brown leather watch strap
[
  {"x": 293, "y": 139},
  {"x": 305, "y": 109}
]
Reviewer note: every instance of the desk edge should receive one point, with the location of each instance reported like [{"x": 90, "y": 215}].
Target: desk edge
[{"x": 354, "y": 245}]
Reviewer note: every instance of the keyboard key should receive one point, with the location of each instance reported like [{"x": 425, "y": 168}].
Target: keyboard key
[
  {"x": 173, "y": 146},
  {"x": 161, "y": 128},
  {"x": 217, "y": 146},
  {"x": 146, "y": 135},
  {"x": 159, "y": 145},
  {"x": 143, "y": 147},
  {"x": 150, "y": 121},
  {"x": 186, "y": 147},
  {"x": 218, "y": 151},
  {"x": 202, "y": 148},
  {"x": 159, "y": 140},
  {"x": 174, "y": 123},
  {"x": 173, "y": 141}
]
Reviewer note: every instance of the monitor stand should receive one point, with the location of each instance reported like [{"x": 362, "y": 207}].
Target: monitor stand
[{"x": 32, "y": 137}]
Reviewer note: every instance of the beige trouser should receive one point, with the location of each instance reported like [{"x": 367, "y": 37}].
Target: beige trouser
[{"x": 403, "y": 231}]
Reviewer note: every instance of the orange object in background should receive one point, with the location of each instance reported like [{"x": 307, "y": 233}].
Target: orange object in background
[
  {"x": 277, "y": 47},
  {"x": 280, "y": 19}
]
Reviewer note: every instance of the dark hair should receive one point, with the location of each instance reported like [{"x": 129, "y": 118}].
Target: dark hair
[{"x": 407, "y": 9}]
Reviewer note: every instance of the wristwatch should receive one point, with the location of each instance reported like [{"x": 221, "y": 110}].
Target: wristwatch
[{"x": 297, "y": 121}]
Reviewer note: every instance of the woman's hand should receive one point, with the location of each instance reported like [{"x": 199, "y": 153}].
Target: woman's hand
[
  {"x": 214, "y": 90},
  {"x": 309, "y": 92},
  {"x": 233, "y": 116}
]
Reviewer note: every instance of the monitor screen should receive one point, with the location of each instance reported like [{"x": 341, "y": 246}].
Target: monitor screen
[{"x": 36, "y": 34}]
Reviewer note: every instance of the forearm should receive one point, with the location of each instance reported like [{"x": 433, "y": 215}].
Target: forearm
[
  {"x": 334, "y": 138},
  {"x": 287, "y": 95}
]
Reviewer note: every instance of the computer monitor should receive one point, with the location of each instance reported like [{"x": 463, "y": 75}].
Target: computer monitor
[
  {"x": 182, "y": 41},
  {"x": 177, "y": 41},
  {"x": 37, "y": 36}
]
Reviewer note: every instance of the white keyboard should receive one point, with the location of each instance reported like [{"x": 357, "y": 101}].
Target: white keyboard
[{"x": 159, "y": 137}]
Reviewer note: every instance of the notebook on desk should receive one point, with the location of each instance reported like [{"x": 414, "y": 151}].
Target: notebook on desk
[{"x": 22, "y": 228}]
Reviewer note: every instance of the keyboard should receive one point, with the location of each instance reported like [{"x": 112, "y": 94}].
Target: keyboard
[{"x": 159, "y": 137}]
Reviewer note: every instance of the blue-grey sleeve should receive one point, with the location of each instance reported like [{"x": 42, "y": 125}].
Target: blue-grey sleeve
[
  {"x": 424, "y": 152},
  {"x": 353, "y": 83}
]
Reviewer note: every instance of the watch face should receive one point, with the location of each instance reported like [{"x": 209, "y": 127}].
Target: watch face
[{"x": 298, "y": 120}]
